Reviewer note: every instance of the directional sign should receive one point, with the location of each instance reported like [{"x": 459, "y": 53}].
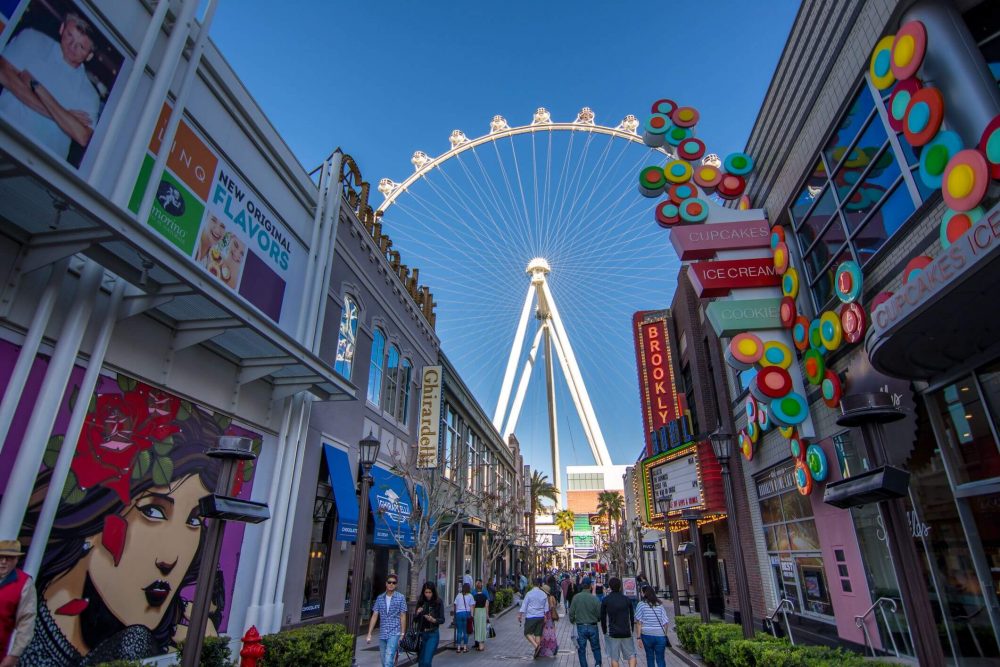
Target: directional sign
[
  {"x": 703, "y": 241},
  {"x": 729, "y": 318},
  {"x": 717, "y": 278}
]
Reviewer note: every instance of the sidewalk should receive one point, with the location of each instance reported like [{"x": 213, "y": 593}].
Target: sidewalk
[{"x": 508, "y": 645}]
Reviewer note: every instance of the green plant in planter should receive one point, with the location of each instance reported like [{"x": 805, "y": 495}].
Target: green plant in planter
[
  {"x": 321, "y": 645},
  {"x": 214, "y": 652}
]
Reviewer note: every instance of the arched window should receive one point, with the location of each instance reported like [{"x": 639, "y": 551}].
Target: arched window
[
  {"x": 375, "y": 369},
  {"x": 347, "y": 338},
  {"x": 392, "y": 380},
  {"x": 403, "y": 407}
]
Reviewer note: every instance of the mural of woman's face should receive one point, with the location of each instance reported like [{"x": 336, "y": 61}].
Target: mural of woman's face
[{"x": 160, "y": 544}]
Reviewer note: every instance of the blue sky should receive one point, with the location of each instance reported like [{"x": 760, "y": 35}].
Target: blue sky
[{"x": 383, "y": 79}]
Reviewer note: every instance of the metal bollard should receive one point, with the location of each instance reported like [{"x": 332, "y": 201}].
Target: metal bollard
[{"x": 253, "y": 648}]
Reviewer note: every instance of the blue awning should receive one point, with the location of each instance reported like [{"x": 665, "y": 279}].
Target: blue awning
[
  {"x": 344, "y": 492},
  {"x": 391, "y": 507}
]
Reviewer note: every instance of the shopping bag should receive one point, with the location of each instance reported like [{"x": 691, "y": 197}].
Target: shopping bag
[
  {"x": 470, "y": 625},
  {"x": 490, "y": 632},
  {"x": 410, "y": 641}
]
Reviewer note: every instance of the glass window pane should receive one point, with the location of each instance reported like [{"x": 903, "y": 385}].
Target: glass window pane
[
  {"x": 884, "y": 223},
  {"x": 822, "y": 289},
  {"x": 814, "y": 587},
  {"x": 814, "y": 223},
  {"x": 863, "y": 199},
  {"x": 809, "y": 192},
  {"x": 989, "y": 378},
  {"x": 850, "y": 124},
  {"x": 795, "y": 506},
  {"x": 770, "y": 539},
  {"x": 968, "y": 432},
  {"x": 861, "y": 155},
  {"x": 985, "y": 510},
  {"x": 770, "y": 510},
  {"x": 803, "y": 535},
  {"x": 828, "y": 246},
  {"x": 375, "y": 368}
]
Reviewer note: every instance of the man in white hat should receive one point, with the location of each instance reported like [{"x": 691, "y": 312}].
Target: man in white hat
[{"x": 18, "y": 604}]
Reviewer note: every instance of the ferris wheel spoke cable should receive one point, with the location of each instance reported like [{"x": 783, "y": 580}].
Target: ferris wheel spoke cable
[
  {"x": 505, "y": 210},
  {"x": 550, "y": 214},
  {"x": 602, "y": 172},
  {"x": 559, "y": 220},
  {"x": 510, "y": 193},
  {"x": 577, "y": 185},
  {"x": 431, "y": 211},
  {"x": 599, "y": 171}
]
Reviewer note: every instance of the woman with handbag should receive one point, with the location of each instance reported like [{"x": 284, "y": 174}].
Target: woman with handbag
[
  {"x": 429, "y": 615},
  {"x": 651, "y": 627},
  {"x": 480, "y": 616},
  {"x": 464, "y": 603},
  {"x": 549, "y": 645}
]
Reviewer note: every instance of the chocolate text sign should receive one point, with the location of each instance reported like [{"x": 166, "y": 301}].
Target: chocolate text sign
[
  {"x": 712, "y": 279},
  {"x": 703, "y": 241}
]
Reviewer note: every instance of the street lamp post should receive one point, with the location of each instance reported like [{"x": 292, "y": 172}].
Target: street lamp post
[
  {"x": 663, "y": 506},
  {"x": 368, "y": 453},
  {"x": 722, "y": 445},
  {"x": 692, "y": 517}
]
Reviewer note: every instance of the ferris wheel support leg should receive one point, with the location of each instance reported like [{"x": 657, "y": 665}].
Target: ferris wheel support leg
[
  {"x": 575, "y": 381},
  {"x": 522, "y": 387},
  {"x": 550, "y": 394},
  {"x": 515, "y": 353}
]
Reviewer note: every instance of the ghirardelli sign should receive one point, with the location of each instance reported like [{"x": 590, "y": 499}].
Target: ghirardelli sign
[{"x": 429, "y": 436}]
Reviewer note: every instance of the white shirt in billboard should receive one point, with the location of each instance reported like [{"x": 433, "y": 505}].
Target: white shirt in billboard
[{"x": 43, "y": 57}]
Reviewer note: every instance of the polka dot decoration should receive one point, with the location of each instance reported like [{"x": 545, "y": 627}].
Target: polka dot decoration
[
  {"x": 750, "y": 407},
  {"x": 781, "y": 258},
  {"x": 675, "y": 136},
  {"x": 770, "y": 383},
  {"x": 691, "y": 149},
  {"x": 664, "y": 106},
  {"x": 746, "y": 447},
  {"x": 753, "y": 432},
  {"x": 954, "y": 224},
  {"x": 803, "y": 478},
  {"x": 853, "y": 322},
  {"x": 880, "y": 66},
  {"x": 744, "y": 351},
  {"x": 763, "y": 417},
  {"x": 739, "y": 164},
  {"x": 743, "y": 204},
  {"x": 790, "y": 283},
  {"x": 936, "y": 155},
  {"x": 651, "y": 182},
  {"x": 914, "y": 267},
  {"x": 667, "y": 214},
  {"x": 816, "y": 460},
  {"x": 923, "y": 117},
  {"x": 989, "y": 145},
  {"x": 814, "y": 365},
  {"x": 831, "y": 389},
  {"x": 693, "y": 210},
  {"x": 789, "y": 410},
  {"x": 900, "y": 100},
  {"x": 800, "y": 333},
  {"x": 731, "y": 186},
  {"x": 965, "y": 179},
  {"x": 830, "y": 330},
  {"x": 655, "y": 129},
  {"x": 787, "y": 312},
  {"x": 908, "y": 50},
  {"x": 776, "y": 354},
  {"x": 815, "y": 337},
  {"x": 685, "y": 116},
  {"x": 777, "y": 236},
  {"x": 707, "y": 177},
  {"x": 848, "y": 281},
  {"x": 786, "y": 431},
  {"x": 678, "y": 171},
  {"x": 797, "y": 447},
  {"x": 681, "y": 191}
]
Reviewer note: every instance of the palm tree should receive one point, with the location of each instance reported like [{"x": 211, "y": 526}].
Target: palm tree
[
  {"x": 611, "y": 505},
  {"x": 541, "y": 489},
  {"x": 565, "y": 520}
]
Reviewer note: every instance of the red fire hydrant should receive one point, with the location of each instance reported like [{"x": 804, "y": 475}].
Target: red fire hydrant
[{"x": 253, "y": 648}]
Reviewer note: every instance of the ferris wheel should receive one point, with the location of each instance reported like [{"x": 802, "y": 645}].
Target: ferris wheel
[{"x": 549, "y": 207}]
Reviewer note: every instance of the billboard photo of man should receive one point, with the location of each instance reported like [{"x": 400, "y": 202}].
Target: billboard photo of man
[{"x": 51, "y": 91}]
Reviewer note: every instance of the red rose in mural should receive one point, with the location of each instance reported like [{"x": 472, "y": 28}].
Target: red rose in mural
[{"x": 161, "y": 409}]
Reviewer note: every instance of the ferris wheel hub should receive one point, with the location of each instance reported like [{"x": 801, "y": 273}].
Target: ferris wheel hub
[{"x": 538, "y": 266}]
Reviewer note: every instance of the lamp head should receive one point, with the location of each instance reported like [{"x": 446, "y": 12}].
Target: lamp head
[
  {"x": 722, "y": 444},
  {"x": 368, "y": 449}
]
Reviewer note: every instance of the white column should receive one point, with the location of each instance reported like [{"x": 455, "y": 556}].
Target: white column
[
  {"x": 327, "y": 250},
  {"x": 29, "y": 348},
  {"x": 515, "y": 353},
  {"x": 522, "y": 387},
  {"x": 550, "y": 393},
  {"x": 60, "y": 471},
  {"x": 304, "y": 314},
  {"x": 50, "y": 397}
]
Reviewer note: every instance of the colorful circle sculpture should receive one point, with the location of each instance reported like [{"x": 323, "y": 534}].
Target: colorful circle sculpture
[
  {"x": 803, "y": 478},
  {"x": 786, "y": 431},
  {"x": 965, "y": 180},
  {"x": 936, "y": 155},
  {"x": 913, "y": 268},
  {"x": 770, "y": 383},
  {"x": 693, "y": 210},
  {"x": 750, "y": 407},
  {"x": 989, "y": 144},
  {"x": 746, "y": 447},
  {"x": 651, "y": 182},
  {"x": 900, "y": 99},
  {"x": 744, "y": 203},
  {"x": 692, "y": 149},
  {"x": 815, "y": 337},
  {"x": 814, "y": 365},
  {"x": 908, "y": 49},
  {"x": 790, "y": 283},
  {"x": 753, "y": 431},
  {"x": 923, "y": 117},
  {"x": 848, "y": 281},
  {"x": 777, "y": 236},
  {"x": 797, "y": 447},
  {"x": 776, "y": 354},
  {"x": 664, "y": 106},
  {"x": 881, "y": 298},
  {"x": 655, "y": 129},
  {"x": 880, "y": 67},
  {"x": 830, "y": 331},
  {"x": 739, "y": 164},
  {"x": 763, "y": 418},
  {"x": 678, "y": 171},
  {"x": 707, "y": 177},
  {"x": 744, "y": 351},
  {"x": 800, "y": 333},
  {"x": 816, "y": 460},
  {"x": 667, "y": 214},
  {"x": 781, "y": 258},
  {"x": 681, "y": 191},
  {"x": 787, "y": 312},
  {"x": 853, "y": 322},
  {"x": 731, "y": 186},
  {"x": 685, "y": 116},
  {"x": 789, "y": 410},
  {"x": 832, "y": 389},
  {"x": 677, "y": 135},
  {"x": 955, "y": 224}
]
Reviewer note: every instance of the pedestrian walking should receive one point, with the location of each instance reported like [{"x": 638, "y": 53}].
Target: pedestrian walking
[
  {"x": 532, "y": 613},
  {"x": 651, "y": 627},
  {"x": 428, "y": 617},
  {"x": 585, "y": 614},
  {"x": 617, "y": 619},
  {"x": 467, "y": 579},
  {"x": 18, "y": 605},
  {"x": 390, "y": 607},
  {"x": 549, "y": 645},
  {"x": 464, "y": 604},
  {"x": 564, "y": 586},
  {"x": 481, "y": 614}
]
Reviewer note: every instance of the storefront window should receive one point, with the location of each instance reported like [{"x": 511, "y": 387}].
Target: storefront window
[
  {"x": 319, "y": 546},
  {"x": 392, "y": 380},
  {"x": 347, "y": 338},
  {"x": 403, "y": 407},
  {"x": 968, "y": 430},
  {"x": 375, "y": 368}
]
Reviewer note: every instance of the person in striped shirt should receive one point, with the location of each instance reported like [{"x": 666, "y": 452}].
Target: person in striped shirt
[{"x": 651, "y": 627}]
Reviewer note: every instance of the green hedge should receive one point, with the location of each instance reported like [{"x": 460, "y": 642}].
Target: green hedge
[
  {"x": 502, "y": 599},
  {"x": 722, "y": 645},
  {"x": 214, "y": 652},
  {"x": 321, "y": 645}
]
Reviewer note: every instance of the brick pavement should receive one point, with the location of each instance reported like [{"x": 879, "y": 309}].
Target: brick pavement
[{"x": 509, "y": 646}]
